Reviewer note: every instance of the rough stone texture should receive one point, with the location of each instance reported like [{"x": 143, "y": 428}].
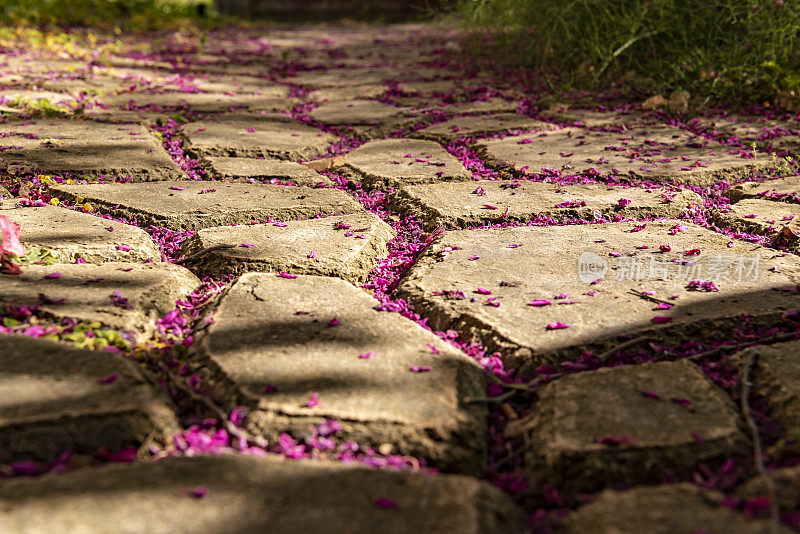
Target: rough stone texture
[
  {"x": 667, "y": 509},
  {"x": 785, "y": 189},
  {"x": 70, "y": 235},
  {"x": 765, "y": 133},
  {"x": 366, "y": 116},
  {"x": 259, "y": 339},
  {"x": 757, "y": 216},
  {"x": 203, "y": 102},
  {"x": 222, "y": 168},
  {"x": 249, "y": 494},
  {"x": 181, "y": 205},
  {"x": 4, "y": 193},
  {"x": 787, "y": 482},
  {"x": 240, "y": 84},
  {"x": 547, "y": 264},
  {"x": 52, "y": 402},
  {"x": 275, "y": 136},
  {"x": 91, "y": 148},
  {"x": 386, "y": 163},
  {"x": 347, "y": 93},
  {"x": 491, "y": 105},
  {"x": 776, "y": 377},
  {"x": 453, "y": 205},
  {"x": 591, "y": 118},
  {"x": 151, "y": 290},
  {"x": 562, "y": 436},
  {"x": 661, "y": 153},
  {"x": 480, "y": 125},
  {"x": 341, "y": 77},
  {"x": 349, "y": 253}
]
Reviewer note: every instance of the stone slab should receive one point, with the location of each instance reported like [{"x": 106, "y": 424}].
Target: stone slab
[
  {"x": 202, "y": 102},
  {"x": 190, "y": 204},
  {"x": 339, "y": 94},
  {"x": 250, "y": 494},
  {"x": 785, "y": 189},
  {"x": 787, "y": 483},
  {"x": 589, "y": 118},
  {"x": 389, "y": 163},
  {"x": 456, "y": 204},
  {"x": 776, "y": 377},
  {"x": 481, "y": 125},
  {"x": 259, "y": 339},
  {"x": 85, "y": 292},
  {"x": 223, "y": 168},
  {"x": 544, "y": 261},
  {"x": 364, "y": 113},
  {"x": 666, "y": 509},
  {"x": 767, "y": 134},
  {"x": 53, "y": 402},
  {"x": 756, "y": 216},
  {"x": 70, "y": 235},
  {"x": 90, "y": 148},
  {"x": 572, "y": 435},
  {"x": 346, "y": 246},
  {"x": 490, "y": 105},
  {"x": 275, "y": 136},
  {"x": 655, "y": 153},
  {"x": 341, "y": 77},
  {"x": 240, "y": 84}
]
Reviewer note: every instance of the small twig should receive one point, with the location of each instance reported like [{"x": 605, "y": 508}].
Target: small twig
[
  {"x": 491, "y": 400},
  {"x": 651, "y": 298},
  {"x": 628, "y": 344},
  {"x": 764, "y": 341},
  {"x": 196, "y": 255},
  {"x": 769, "y": 483}
]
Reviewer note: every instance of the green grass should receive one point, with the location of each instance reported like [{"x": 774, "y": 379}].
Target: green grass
[
  {"x": 125, "y": 14},
  {"x": 716, "y": 49}
]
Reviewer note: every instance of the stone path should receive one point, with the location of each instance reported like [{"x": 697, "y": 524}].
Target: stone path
[{"x": 288, "y": 277}]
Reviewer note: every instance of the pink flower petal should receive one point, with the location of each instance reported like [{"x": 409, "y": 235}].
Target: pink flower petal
[
  {"x": 333, "y": 322},
  {"x": 420, "y": 368},
  {"x": 367, "y": 355},
  {"x": 283, "y": 274},
  {"x": 313, "y": 400},
  {"x": 52, "y": 276},
  {"x": 539, "y": 302},
  {"x": 247, "y": 245},
  {"x": 108, "y": 379},
  {"x": 483, "y": 291},
  {"x": 660, "y": 319},
  {"x": 557, "y": 326}
]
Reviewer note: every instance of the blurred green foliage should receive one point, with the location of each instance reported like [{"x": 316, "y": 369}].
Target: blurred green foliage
[
  {"x": 126, "y": 14},
  {"x": 717, "y": 49}
]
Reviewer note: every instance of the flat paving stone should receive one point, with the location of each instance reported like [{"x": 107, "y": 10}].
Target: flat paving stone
[
  {"x": 787, "y": 484},
  {"x": 373, "y": 116},
  {"x": 388, "y": 163},
  {"x": 597, "y": 429},
  {"x": 525, "y": 264},
  {"x": 341, "y": 77},
  {"x": 461, "y": 204},
  {"x": 223, "y": 168},
  {"x": 490, "y": 105},
  {"x": 657, "y": 153},
  {"x": 250, "y": 494},
  {"x": 480, "y": 125},
  {"x": 55, "y": 399},
  {"x": 70, "y": 235},
  {"x": 203, "y": 102},
  {"x": 190, "y": 204},
  {"x": 147, "y": 291},
  {"x": 785, "y": 189},
  {"x": 588, "y": 118},
  {"x": 275, "y": 333},
  {"x": 346, "y": 246},
  {"x": 776, "y": 377},
  {"x": 89, "y": 148},
  {"x": 240, "y": 84},
  {"x": 245, "y": 135},
  {"x": 666, "y": 509},
  {"x": 339, "y": 94},
  {"x": 765, "y": 133},
  {"x": 757, "y": 216}
]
